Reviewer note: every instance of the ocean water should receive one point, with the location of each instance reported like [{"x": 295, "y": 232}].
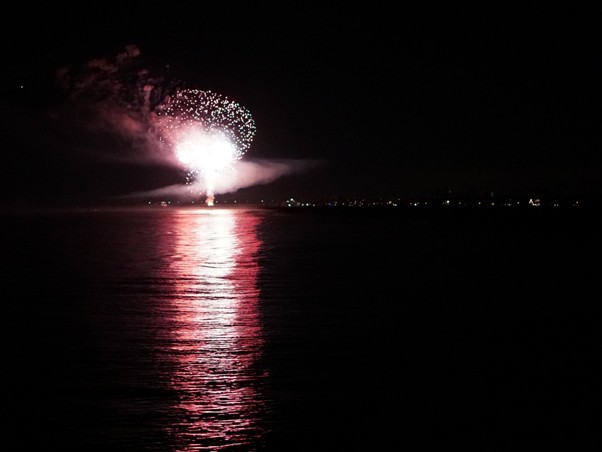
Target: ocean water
[{"x": 180, "y": 329}]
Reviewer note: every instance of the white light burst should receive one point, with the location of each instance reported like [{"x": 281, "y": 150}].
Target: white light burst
[{"x": 208, "y": 133}]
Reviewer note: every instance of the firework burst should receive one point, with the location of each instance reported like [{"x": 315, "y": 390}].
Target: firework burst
[{"x": 208, "y": 133}]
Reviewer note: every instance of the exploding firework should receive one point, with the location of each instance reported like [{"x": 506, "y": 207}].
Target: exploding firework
[{"x": 208, "y": 133}]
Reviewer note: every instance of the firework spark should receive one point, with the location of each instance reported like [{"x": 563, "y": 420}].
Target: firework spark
[{"x": 208, "y": 134}]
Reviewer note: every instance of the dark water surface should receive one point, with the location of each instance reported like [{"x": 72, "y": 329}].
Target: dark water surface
[{"x": 257, "y": 329}]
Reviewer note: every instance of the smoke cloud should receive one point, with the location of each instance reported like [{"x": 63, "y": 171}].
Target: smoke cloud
[
  {"x": 109, "y": 108},
  {"x": 245, "y": 174},
  {"x": 109, "y": 114}
]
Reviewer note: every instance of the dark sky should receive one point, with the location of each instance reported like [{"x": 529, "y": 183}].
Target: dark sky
[{"x": 366, "y": 101}]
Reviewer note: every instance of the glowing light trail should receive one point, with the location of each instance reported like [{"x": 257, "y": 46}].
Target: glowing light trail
[{"x": 208, "y": 133}]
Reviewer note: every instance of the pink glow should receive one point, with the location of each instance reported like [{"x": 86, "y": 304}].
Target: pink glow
[{"x": 218, "y": 338}]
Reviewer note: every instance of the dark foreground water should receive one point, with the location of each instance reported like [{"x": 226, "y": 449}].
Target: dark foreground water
[{"x": 253, "y": 329}]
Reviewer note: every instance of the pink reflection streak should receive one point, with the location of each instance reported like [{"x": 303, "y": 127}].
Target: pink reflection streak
[{"x": 218, "y": 336}]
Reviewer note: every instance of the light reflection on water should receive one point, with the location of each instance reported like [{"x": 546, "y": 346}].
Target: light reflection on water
[{"x": 217, "y": 338}]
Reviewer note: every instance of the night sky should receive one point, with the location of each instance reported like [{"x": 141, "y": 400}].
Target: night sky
[{"x": 350, "y": 101}]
